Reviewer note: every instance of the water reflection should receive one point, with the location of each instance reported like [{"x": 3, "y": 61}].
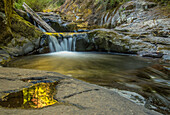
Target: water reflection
[{"x": 38, "y": 96}]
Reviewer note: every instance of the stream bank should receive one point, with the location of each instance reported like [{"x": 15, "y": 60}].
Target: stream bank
[{"x": 74, "y": 96}]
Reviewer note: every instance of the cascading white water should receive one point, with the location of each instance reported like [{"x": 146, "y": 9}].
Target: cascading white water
[
  {"x": 43, "y": 30},
  {"x": 67, "y": 44},
  {"x": 74, "y": 44},
  {"x": 36, "y": 24},
  {"x": 70, "y": 40}
]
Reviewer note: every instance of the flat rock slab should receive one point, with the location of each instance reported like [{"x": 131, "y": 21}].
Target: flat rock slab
[{"x": 76, "y": 97}]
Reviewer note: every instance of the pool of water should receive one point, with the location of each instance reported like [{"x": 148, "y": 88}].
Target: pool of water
[{"x": 144, "y": 81}]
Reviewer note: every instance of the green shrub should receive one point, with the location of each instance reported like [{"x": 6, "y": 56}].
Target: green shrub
[
  {"x": 55, "y": 4},
  {"x": 36, "y": 5},
  {"x": 18, "y": 4}
]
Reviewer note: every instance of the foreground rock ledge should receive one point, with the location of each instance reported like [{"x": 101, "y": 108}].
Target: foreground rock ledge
[{"x": 88, "y": 99}]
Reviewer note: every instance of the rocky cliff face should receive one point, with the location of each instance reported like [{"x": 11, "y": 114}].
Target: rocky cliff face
[
  {"x": 141, "y": 26},
  {"x": 17, "y": 36}
]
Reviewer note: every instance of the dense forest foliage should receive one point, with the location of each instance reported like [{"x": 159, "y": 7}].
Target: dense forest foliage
[{"x": 40, "y": 5}]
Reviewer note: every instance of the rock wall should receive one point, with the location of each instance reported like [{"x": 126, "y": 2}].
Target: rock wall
[
  {"x": 99, "y": 13},
  {"x": 87, "y": 13},
  {"x": 142, "y": 26}
]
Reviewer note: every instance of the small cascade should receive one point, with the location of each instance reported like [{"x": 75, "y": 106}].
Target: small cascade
[
  {"x": 43, "y": 30},
  {"x": 106, "y": 17},
  {"x": 70, "y": 40},
  {"x": 65, "y": 44},
  {"x": 102, "y": 18},
  {"x": 35, "y": 23}
]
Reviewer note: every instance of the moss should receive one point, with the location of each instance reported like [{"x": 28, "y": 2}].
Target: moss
[
  {"x": 14, "y": 25},
  {"x": 109, "y": 40},
  {"x": 72, "y": 26},
  {"x": 21, "y": 27},
  {"x": 17, "y": 36},
  {"x": 8, "y": 7},
  {"x": 5, "y": 21}
]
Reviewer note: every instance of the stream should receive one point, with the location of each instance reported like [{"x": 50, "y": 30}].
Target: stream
[{"x": 142, "y": 80}]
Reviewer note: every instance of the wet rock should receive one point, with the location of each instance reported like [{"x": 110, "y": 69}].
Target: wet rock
[
  {"x": 151, "y": 32},
  {"x": 166, "y": 57},
  {"x": 4, "y": 57},
  {"x": 53, "y": 17},
  {"x": 57, "y": 22},
  {"x": 82, "y": 42},
  {"x": 44, "y": 44},
  {"x": 157, "y": 40},
  {"x": 110, "y": 40},
  {"x": 22, "y": 46},
  {"x": 163, "y": 48},
  {"x": 150, "y": 54},
  {"x": 158, "y": 101}
]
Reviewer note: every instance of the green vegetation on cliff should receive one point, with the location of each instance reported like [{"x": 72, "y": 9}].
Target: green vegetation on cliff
[
  {"x": 39, "y": 5},
  {"x": 10, "y": 22},
  {"x": 8, "y": 6},
  {"x": 5, "y": 20}
]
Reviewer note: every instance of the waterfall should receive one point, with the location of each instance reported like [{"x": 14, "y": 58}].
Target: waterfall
[
  {"x": 43, "y": 30},
  {"x": 102, "y": 18},
  {"x": 35, "y": 23},
  {"x": 70, "y": 40},
  {"x": 105, "y": 19},
  {"x": 65, "y": 44}
]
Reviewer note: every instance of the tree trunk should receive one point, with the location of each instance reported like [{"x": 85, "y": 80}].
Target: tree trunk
[{"x": 38, "y": 19}]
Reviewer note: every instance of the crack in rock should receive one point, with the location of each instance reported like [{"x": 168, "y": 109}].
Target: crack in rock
[
  {"x": 79, "y": 93},
  {"x": 4, "y": 78}
]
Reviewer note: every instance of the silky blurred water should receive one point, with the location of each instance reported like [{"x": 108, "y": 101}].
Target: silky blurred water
[{"x": 121, "y": 73}]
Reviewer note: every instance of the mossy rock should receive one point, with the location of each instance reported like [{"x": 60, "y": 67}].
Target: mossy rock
[
  {"x": 24, "y": 28},
  {"x": 22, "y": 14},
  {"x": 66, "y": 27},
  {"x": 110, "y": 40},
  {"x": 17, "y": 36},
  {"x": 72, "y": 26}
]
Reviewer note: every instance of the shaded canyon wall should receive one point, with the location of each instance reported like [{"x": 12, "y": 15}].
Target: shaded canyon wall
[{"x": 17, "y": 36}]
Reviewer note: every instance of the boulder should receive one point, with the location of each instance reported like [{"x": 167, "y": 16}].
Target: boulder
[
  {"x": 151, "y": 54},
  {"x": 58, "y": 23},
  {"x": 110, "y": 40}
]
